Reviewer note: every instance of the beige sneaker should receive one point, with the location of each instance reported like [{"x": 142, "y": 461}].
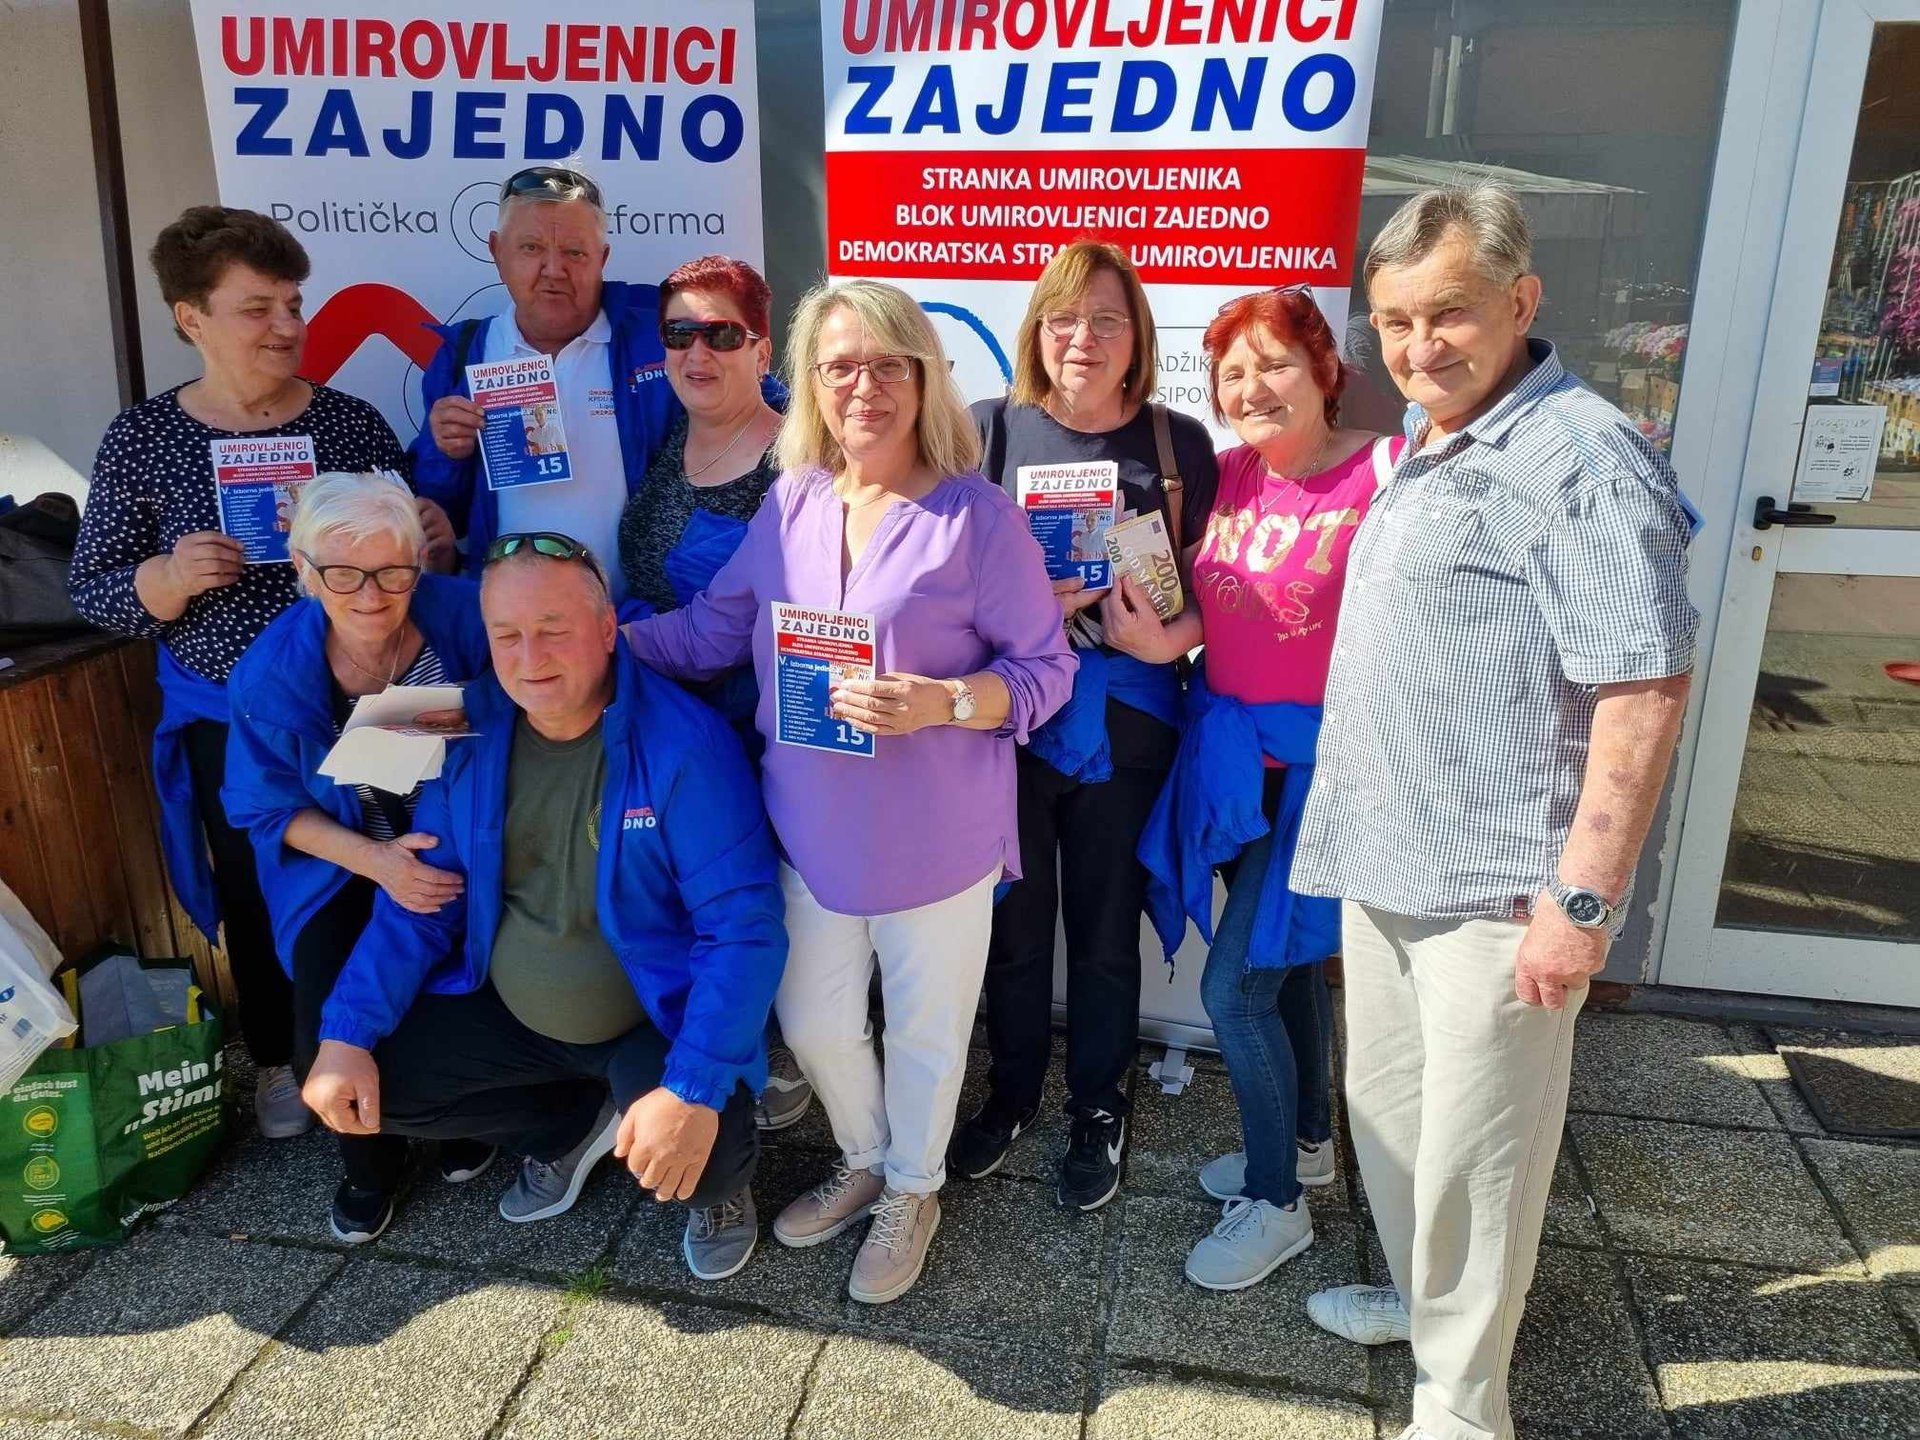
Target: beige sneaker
[
  {"x": 896, "y": 1247},
  {"x": 841, "y": 1200}
]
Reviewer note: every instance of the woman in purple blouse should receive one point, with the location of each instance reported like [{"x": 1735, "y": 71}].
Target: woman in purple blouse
[{"x": 893, "y": 797}]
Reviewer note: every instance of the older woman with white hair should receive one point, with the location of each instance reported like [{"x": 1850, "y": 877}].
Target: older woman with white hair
[
  {"x": 892, "y": 793},
  {"x": 371, "y": 619}
]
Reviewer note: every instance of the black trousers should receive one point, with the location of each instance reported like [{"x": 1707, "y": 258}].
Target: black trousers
[
  {"x": 371, "y": 1162},
  {"x": 1077, "y": 862},
  {"x": 463, "y": 1066},
  {"x": 266, "y": 995}
]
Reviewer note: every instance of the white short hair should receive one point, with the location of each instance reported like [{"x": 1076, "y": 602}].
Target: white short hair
[{"x": 356, "y": 505}]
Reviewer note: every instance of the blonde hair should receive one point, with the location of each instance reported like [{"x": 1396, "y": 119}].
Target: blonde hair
[
  {"x": 1068, "y": 276},
  {"x": 357, "y": 505},
  {"x": 949, "y": 444}
]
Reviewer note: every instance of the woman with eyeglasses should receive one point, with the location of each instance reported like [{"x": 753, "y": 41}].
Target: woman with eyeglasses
[
  {"x": 371, "y": 619},
  {"x": 892, "y": 796},
  {"x": 154, "y": 560},
  {"x": 1085, "y": 368}
]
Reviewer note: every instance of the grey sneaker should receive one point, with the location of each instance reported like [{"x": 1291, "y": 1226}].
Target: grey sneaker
[
  {"x": 277, "y": 1106},
  {"x": 548, "y": 1188},
  {"x": 1225, "y": 1178},
  {"x": 1364, "y": 1314},
  {"x": 1253, "y": 1239},
  {"x": 720, "y": 1238},
  {"x": 833, "y": 1206},
  {"x": 788, "y": 1092},
  {"x": 896, "y": 1247}
]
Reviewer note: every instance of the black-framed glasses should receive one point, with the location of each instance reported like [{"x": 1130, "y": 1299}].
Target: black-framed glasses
[
  {"x": 719, "y": 334},
  {"x": 352, "y": 579},
  {"x": 551, "y": 182},
  {"x": 886, "y": 369},
  {"x": 549, "y": 543},
  {"x": 1105, "y": 324}
]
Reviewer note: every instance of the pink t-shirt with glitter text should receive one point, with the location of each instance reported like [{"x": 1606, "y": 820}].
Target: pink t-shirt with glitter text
[{"x": 1271, "y": 567}]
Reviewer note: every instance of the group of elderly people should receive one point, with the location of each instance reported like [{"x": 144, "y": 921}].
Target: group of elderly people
[{"x": 622, "y": 895}]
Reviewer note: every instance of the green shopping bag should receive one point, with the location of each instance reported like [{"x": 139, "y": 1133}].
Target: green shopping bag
[{"x": 91, "y": 1138}]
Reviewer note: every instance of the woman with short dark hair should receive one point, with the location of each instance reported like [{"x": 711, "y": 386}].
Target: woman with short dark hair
[{"x": 153, "y": 560}]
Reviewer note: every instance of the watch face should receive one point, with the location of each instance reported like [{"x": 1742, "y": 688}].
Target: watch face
[{"x": 1585, "y": 908}]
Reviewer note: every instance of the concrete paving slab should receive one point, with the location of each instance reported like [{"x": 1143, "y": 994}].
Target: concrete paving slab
[
  {"x": 868, "y": 1388},
  {"x": 157, "y": 1329},
  {"x": 1161, "y": 1317},
  {"x": 461, "y": 1224},
  {"x": 1139, "y": 1406},
  {"x": 629, "y": 1371},
  {"x": 27, "y": 1280},
  {"x": 804, "y": 1284},
  {"x": 1036, "y": 1155},
  {"x": 1863, "y": 1083},
  {"x": 1570, "y": 1211},
  {"x": 278, "y": 1188},
  {"x": 1761, "y": 1063},
  {"x": 1007, "y": 1265},
  {"x": 1710, "y": 1194},
  {"x": 1741, "y": 1354},
  {"x": 1174, "y": 1135},
  {"x": 394, "y": 1349},
  {"x": 1878, "y": 1190},
  {"x": 47, "y": 1430},
  {"x": 1664, "y": 1069}
]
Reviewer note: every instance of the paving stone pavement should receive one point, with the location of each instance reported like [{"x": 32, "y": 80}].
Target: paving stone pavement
[{"x": 1715, "y": 1266}]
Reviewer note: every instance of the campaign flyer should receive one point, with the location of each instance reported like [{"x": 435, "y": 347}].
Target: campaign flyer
[
  {"x": 258, "y": 482},
  {"x": 1070, "y": 508},
  {"x": 812, "y": 650},
  {"x": 523, "y": 441}
]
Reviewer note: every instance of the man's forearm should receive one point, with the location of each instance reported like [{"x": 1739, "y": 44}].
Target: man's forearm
[{"x": 1634, "y": 730}]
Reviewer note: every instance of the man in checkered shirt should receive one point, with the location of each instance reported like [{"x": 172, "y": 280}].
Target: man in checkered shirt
[{"x": 1508, "y": 680}]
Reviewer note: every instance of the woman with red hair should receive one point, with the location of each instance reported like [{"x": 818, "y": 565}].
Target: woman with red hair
[{"x": 1266, "y": 588}]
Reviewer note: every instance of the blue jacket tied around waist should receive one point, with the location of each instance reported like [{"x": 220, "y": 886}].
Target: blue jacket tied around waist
[
  {"x": 1074, "y": 741},
  {"x": 1210, "y": 811},
  {"x": 184, "y": 698},
  {"x": 688, "y": 895},
  {"x": 283, "y": 728}
]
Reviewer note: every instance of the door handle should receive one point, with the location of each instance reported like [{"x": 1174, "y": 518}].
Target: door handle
[{"x": 1766, "y": 514}]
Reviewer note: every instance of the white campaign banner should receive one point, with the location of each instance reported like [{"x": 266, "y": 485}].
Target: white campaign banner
[
  {"x": 379, "y": 132},
  {"x": 1222, "y": 142}
]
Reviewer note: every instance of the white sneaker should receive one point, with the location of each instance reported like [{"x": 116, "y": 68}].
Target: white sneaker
[
  {"x": 1253, "y": 1239},
  {"x": 1225, "y": 1178},
  {"x": 1364, "y": 1314},
  {"x": 277, "y": 1106}
]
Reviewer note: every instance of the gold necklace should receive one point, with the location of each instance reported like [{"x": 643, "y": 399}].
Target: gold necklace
[
  {"x": 719, "y": 457},
  {"x": 392, "y": 670},
  {"x": 853, "y": 505}
]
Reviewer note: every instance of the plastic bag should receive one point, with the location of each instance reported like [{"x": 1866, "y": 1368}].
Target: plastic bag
[{"x": 32, "y": 1014}]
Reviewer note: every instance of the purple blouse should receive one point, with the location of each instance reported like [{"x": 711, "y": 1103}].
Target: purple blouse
[{"x": 955, "y": 584}]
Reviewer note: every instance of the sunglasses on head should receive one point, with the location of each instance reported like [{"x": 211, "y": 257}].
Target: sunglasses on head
[
  {"x": 719, "y": 334},
  {"x": 548, "y": 543},
  {"x": 550, "y": 182}
]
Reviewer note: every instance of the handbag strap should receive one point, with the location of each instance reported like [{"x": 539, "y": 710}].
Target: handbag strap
[{"x": 1170, "y": 481}]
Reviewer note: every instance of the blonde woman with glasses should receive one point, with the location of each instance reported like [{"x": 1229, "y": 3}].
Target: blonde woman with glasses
[{"x": 893, "y": 845}]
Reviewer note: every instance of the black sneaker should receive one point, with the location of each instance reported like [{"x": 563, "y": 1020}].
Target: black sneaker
[
  {"x": 359, "y": 1215},
  {"x": 980, "y": 1145},
  {"x": 462, "y": 1160},
  {"x": 1090, "y": 1175}
]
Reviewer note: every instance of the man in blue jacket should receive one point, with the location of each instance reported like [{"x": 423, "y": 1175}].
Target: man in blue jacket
[{"x": 621, "y": 927}]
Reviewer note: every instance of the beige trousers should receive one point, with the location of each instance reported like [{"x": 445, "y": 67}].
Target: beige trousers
[{"x": 1456, "y": 1094}]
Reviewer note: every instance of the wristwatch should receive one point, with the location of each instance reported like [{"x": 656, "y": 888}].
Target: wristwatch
[
  {"x": 963, "y": 701},
  {"x": 1588, "y": 909}
]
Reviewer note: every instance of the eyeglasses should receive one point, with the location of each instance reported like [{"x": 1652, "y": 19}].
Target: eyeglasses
[
  {"x": 719, "y": 334},
  {"x": 548, "y": 543},
  {"x": 351, "y": 579},
  {"x": 551, "y": 182},
  {"x": 1105, "y": 324},
  {"x": 885, "y": 369}
]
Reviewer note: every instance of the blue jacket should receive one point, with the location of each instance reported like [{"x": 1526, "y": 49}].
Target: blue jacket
[
  {"x": 1075, "y": 741},
  {"x": 282, "y": 729},
  {"x": 1210, "y": 811},
  {"x": 184, "y": 698},
  {"x": 689, "y": 896}
]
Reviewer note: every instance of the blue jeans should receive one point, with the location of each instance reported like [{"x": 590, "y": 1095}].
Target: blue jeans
[{"x": 1275, "y": 1031}]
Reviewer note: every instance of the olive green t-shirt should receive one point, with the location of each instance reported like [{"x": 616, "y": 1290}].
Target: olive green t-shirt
[{"x": 551, "y": 963}]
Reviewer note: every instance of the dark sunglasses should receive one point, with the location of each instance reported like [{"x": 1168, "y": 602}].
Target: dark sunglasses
[
  {"x": 548, "y": 543},
  {"x": 551, "y": 182},
  {"x": 719, "y": 334}
]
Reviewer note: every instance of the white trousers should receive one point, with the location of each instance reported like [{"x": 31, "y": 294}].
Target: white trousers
[
  {"x": 1456, "y": 1094},
  {"x": 932, "y": 961}
]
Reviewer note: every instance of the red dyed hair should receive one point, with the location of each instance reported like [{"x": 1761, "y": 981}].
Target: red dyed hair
[
  {"x": 723, "y": 275},
  {"x": 1291, "y": 317}
]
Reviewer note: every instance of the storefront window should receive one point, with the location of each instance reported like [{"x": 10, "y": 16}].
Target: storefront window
[{"x": 1605, "y": 119}]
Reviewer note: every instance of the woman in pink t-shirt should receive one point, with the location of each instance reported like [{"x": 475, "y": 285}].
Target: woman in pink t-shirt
[{"x": 1266, "y": 587}]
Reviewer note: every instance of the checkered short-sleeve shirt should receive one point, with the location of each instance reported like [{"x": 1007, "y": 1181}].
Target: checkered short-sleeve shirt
[{"x": 1501, "y": 576}]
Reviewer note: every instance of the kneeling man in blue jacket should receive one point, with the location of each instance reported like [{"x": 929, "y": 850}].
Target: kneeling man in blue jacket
[{"x": 621, "y": 928}]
